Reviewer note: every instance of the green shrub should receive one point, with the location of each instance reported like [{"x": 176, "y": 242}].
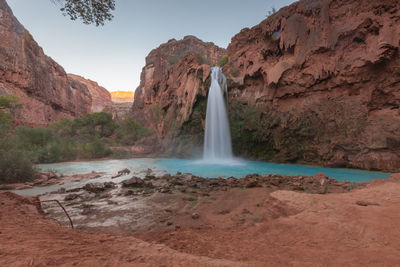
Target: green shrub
[
  {"x": 93, "y": 125},
  {"x": 5, "y": 123},
  {"x": 121, "y": 154},
  {"x": 10, "y": 101},
  {"x": 63, "y": 128},
  {"x": 31, "y": 138},
  {"x": 235, "y": 73},
  {"x": 95, "y": 149},
  {"x": 129, "y": 132},
  {"x": 86, "y": 137},
  {"x": 223, "y": 60},
  {"x": 57, "y": 151},
  {"x": 203, "y": 60},
  {"x": 16, "y": 167}
]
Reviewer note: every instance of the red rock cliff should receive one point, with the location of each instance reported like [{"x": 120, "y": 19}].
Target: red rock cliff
[
  {"x": 317, "y": 82},
  {"x": 46, "y": 91},
  {"x": 323, "y": 80},
  {"x": 174, "y": 76},
  {"x": 100, "y": 96}
]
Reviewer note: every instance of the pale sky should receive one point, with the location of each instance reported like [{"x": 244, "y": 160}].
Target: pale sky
[{"x": 113, "y": 55}]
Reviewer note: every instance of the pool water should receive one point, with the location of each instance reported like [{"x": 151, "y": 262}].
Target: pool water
[
  {"x": 240, "y": 167},
  {"x": 236, "y": 168},
  {"x": 212, "y": 169}
]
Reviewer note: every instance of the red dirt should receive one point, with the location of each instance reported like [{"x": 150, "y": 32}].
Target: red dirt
[
  {"x": 27, "y": 239},
  {"x": 288, "y": 228},
  {"x": 251, "y": 226}
]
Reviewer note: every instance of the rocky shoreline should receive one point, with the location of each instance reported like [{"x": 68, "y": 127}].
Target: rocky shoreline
[{"x": 113, "y": 207}]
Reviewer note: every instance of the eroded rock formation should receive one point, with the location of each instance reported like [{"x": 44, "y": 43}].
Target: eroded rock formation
[
  {"x": 317, "y": 82},
  {"x": 121, "y": 105},
  {"x": 119, "y": 111},
  {"x": 122, "y": 96},
  {"x": 172, "y": 82},
  {"x": 100, "y": 96},
  {"x": 46, "y": 91}
]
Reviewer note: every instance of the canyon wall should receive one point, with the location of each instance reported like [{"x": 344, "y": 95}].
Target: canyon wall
[
  {"x": 173, "y": 80},
  {"x": 100, "y": 96},
  {"x": 122, "y": 96},
  {"x": 121, "y": 105},
  {"x": 317, "y": 82},
  {"x": 45, "y": 90}
]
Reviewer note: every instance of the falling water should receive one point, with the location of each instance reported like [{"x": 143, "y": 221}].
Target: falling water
[{"x": 217, "y": 139}]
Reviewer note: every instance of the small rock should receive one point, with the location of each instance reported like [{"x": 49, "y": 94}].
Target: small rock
[
  {"x": 169, "y": 223},
  {"x": 121, "y": 172},
  {"x": 366, "y": 203},
  {"x": 71, "y": 197},
  {"x": 87, "y": 211},
  {"x": 164, "y": 190},
  {"x": 195, "y": 216},
  {"x": 150, "y": 177},
  {"x": 61, "y": 190},
  {"x": 51, "y": 181},
  {"x": 189, "y": 198},
  {"x": 129, "y": 193},
  {"x": 109, "y": 185},
  {"x": 187, "y": 176},
  {"x": 252, "y": 183},
  {"x": 52, "y": 175},
  {"x": 133, "y": 182},
  {"x": 94, "y": 187},
  {"x": 245, "y": 211},
  {"x": 297, "y": 186},
  {"x": 73, "y": 190},
  {"x": 275, "y": 181},
  {"x": 222, "y": 212}
]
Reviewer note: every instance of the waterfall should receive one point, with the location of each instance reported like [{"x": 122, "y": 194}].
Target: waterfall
[{"x": 217, "y": 138}]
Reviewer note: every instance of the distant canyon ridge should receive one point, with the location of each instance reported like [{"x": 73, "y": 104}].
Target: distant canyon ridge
[
  {"x": 47, "y": 92},
  {"x": 318, "y": 82}
]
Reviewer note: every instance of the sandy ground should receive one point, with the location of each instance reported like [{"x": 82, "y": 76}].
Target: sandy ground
[
  {"x": 260, "y": 226},
  {"x": 27, "y": 239}
]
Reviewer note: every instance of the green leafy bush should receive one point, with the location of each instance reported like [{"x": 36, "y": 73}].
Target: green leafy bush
[
  {"x": 87, "y": 137},
  {"x": 223, "y": 60},
  {"x": 129, "y": 132},
  {"x": 235, "y": 73},
  {"x": 63, "y": 128},
  {"x": 95, "y": 149},
  {"x": 16, "y": 167},
  {"x": 56, "y": 151},
  {"x": 10, "y": 101},
  {"x": 93, "y": 125},
  {"x": 5, "y": 123},
  {"x": 32, "y": 138}
]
